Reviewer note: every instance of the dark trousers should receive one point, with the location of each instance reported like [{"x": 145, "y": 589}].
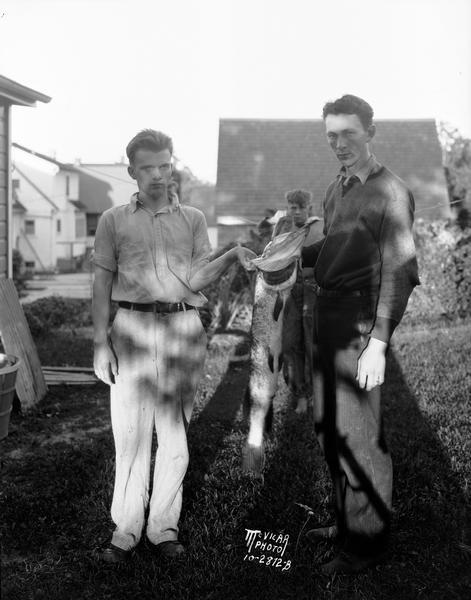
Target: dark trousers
[
  {"x": 297, "y": 343},
  {"x": 349, "y": 425}
]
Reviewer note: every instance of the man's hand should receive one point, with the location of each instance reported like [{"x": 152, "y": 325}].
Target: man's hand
[
  {"x": 245, "y": 256},
  {"x": 308, "y": 272},
  {"x": 371, "y": 365},
  {"x": 213, "y": 270},
  {"x": 105, "y": 363}
]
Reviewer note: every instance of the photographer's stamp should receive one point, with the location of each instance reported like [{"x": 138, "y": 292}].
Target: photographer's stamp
[{"x": 267, "y": 548}]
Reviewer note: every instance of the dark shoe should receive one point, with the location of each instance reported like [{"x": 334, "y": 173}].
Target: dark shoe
[
  {"x": 169, "y": 549},
  {"x": 322, "y": 533},
  {"x": 114, "y": 555},
  {"x": 348, "y": 564}
]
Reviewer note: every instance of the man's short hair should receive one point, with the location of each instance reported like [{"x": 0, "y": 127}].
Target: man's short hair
[
  {"x": 148, "y": 139},
  {"x": 350, "y": 105},
  {"x": 300, "y": 197}
]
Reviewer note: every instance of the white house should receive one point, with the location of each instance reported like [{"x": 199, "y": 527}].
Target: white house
[
  {"x": 56, "y": 206},
  {"x": 49, "y": 222}
]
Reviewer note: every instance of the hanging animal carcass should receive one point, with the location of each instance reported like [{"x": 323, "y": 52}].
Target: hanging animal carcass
[{"x": 276, "y": 274}]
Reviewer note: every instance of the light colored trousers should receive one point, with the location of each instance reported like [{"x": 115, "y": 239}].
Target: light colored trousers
[{"x": 160, "y": 362}]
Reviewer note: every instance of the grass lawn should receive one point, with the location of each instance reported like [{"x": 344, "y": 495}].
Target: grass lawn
[{"x": 57, "y": 477}]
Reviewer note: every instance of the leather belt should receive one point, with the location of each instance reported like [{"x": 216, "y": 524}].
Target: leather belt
[
  {"x": 345, "y": 293},
  {"x": 156, "y": 307}
]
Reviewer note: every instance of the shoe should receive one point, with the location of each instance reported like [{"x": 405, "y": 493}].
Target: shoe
[
  {"x": 323, "y": 533},
  {"x": 115, "y": 555},
  {"x": 169, "y": 549},
  {"x": 348, "y": 564}
]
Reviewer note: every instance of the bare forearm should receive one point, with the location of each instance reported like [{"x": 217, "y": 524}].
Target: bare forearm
[
  {"x": 213, "y": 270},
  {"x": 101, "y": 304},
  {"x": 104, "y": 360}
]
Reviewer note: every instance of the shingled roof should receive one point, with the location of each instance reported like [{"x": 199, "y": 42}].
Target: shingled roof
[{"x": 260, "y": 159}]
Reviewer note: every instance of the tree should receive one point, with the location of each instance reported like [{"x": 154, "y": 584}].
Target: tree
[{"x": 457, "y": 165}]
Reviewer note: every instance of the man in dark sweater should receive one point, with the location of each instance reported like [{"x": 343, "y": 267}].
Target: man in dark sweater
[{"x": 365, "y": 268}]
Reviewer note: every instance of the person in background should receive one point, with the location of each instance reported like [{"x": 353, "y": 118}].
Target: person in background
[
  {"x": 265, "y": 229},
  {"x": 298, "y": 343},
  {"x": 365, "y": 268},
  {"x": 152, "y": 258}
]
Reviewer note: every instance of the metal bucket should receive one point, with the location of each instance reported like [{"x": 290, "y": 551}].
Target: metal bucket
[{"x": 8, "y": 367}]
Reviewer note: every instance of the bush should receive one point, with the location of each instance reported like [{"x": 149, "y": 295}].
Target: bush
[
  {"x": 54, "y": 312},
  {"x": 19, "y": 274},
  {"x": 444, "y": 257}
]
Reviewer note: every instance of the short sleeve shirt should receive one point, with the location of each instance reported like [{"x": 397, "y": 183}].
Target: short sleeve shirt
[{"x": 152, "y": 255}]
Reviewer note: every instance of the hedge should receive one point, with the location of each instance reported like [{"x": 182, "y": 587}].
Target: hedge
[{"x": 444, "y": 257}]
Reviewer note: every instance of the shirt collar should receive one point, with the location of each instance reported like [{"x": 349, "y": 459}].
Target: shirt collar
[
  {"x": 364, "y": 172},
  {"x": 172, "y": 206}
]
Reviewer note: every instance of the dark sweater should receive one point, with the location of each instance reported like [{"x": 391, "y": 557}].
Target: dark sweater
[{"x": 368, "y": 244}]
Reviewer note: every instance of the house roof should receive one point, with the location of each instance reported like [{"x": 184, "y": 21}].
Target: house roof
[
  {"x": 102, "y": 186},
  {"x": 50, "y": 159},
  {"x": 95, "y": 192},
  {"x": 78, "y": 205},
  {"x": 15, "y": 93},
  {"x": 40, "y": 182},
  {"x": 260, "y": 159}
]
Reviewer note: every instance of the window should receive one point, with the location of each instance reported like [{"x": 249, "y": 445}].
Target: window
[
  {"x": 67, "y": 186},
  {"x": 15, "y": 184},
  {"x": 92, "y": 222},
  {"x": 58, "y": 225},
  {"x": 29, "y": 227},
  {"x": 30, "y": 264}
]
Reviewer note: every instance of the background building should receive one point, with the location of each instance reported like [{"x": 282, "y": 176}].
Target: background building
[
  {"x": 49, "y": 220},
  {"x": 11, "y": 93},
  {"x": 56, "y": 206},
  {"x": 260, "y": 159}
]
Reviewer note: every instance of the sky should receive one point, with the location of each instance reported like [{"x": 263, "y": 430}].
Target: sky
[{"x": 113, "y": 67}]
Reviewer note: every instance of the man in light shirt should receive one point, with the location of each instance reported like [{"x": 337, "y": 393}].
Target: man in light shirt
[{"x": 152, "y": 257}]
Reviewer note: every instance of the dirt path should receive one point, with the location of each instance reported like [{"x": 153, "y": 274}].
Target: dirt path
[{"x": 68, "y": 285}]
